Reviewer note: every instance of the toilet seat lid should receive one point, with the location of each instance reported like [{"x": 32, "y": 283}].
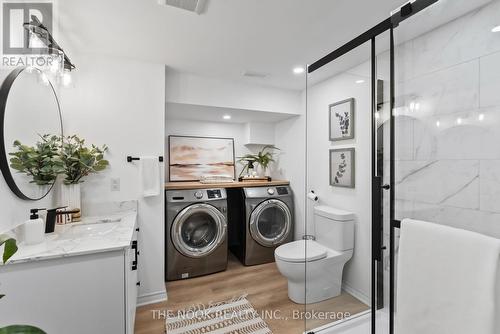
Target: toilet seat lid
[{"x": 296, "y": 251}]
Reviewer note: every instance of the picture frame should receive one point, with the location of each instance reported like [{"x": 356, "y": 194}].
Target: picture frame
[
  {"x": 341, "y": 120},
  {"x": 343, "y": 167},
  {"x": 191, "y": 157}
]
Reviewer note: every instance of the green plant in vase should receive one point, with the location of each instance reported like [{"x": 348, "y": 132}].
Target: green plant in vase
[
  {"x": 10, "y": 248},
  {"x": 263, "y": 158},
  {"x": 79, "y": 161},
  {"x": 41, "y": 162}
]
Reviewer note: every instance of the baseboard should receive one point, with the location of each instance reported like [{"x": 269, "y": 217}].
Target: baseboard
[
  {"x": 356, "y": 293},
  {"x": 152, "y": 298}
]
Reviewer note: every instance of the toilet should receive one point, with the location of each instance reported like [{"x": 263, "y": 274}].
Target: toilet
[{"x": 314, "y": 268}]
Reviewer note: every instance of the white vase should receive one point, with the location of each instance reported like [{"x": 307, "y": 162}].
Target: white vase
[
  {"x": 71, "y": 196},
  {"x": 261, "y": 171}
]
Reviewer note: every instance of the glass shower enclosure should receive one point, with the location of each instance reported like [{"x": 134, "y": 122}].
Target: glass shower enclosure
[{"x": 400, "y": 123}]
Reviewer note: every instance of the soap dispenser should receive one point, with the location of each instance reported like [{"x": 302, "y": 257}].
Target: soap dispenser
[{"x": 34, "y": 229}]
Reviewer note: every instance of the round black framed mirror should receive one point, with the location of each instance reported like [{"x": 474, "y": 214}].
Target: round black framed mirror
[{"x": 30, "y": 129}]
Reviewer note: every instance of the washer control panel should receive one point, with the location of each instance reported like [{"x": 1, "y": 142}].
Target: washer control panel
[
  {"x": 195, "y": 195},
  {"x": 267, "y": 192},
  {"x": 282, "y": 190},
  {"x": 214, "y": 193}
]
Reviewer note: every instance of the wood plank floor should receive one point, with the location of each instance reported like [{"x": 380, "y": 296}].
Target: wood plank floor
[{"x": 266, "y": 289}]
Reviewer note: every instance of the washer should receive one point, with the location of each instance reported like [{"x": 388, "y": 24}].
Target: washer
[
  {"x": 260, "y": 220},
  {"x": 196, "y": 233}
]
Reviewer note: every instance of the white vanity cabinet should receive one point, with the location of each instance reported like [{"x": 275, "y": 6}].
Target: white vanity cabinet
[{"x": 79, "y": 294}]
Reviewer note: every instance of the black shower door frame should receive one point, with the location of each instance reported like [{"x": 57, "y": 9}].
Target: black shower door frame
[{"x": 391, "y": 23}]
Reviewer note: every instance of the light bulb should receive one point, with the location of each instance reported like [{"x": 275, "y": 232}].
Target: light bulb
[
  {"x": 66, "y": 79},
  {"x": 45, "y": 79},
  {"x": 438, "y": 124},
  {"x": 298, "y": 70},
  {"x": 459, "y": 121},
  {"x": 54, "y": 67},
  {"x": 480, "y": 117}
]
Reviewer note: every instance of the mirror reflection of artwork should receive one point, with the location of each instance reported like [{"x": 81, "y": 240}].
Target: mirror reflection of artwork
[
  {"x": 342, "y": 120},
  {"x": 32, "y": 122},
  {"x": 190, "y": 158},
  {"x": 342, "y": 168}
]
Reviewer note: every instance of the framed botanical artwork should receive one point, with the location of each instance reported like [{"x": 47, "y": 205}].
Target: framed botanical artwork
[
  {"x": 341, "y": 120},
  {"x": 190, "y": 158},
  {"x": 342, "y": 167}
]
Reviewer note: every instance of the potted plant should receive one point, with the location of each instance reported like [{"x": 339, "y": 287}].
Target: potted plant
[
  {"x": 78, "y": 161},
  {"x": 263, "y": 158},
  {"x": 10, "y": 248},
  {"x": 40, "y": 162}
]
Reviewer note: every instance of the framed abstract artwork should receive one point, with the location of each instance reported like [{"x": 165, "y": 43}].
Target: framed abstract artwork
[
  {"x": 341, "y": 120},
  {"x": 190, "y": 158},
  {"x": 342, "y": 167}
]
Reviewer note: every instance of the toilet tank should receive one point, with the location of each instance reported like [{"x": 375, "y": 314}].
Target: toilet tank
[{"x": 334, "y": 228}]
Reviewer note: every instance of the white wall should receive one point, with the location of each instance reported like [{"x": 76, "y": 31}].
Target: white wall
[
  {"x": 120, "y": 103},
  {"x": 450, "y": 174},
  {"x": 289, "y": 134},
  {"x": 357, "y": 200},
  {"x": 193, "y": 89},
  {"x": 290, "y": 138}
]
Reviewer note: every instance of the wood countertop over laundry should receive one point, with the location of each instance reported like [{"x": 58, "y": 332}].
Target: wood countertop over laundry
[{"x": 236, "y": 184}]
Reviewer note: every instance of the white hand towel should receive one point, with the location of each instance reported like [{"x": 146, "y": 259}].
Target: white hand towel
[
  {"x": 150, "y": 176},
  {"x": 447, "y": 280}
]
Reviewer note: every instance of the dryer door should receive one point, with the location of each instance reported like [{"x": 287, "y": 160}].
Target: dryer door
[
  {"x": 198, "y": 230},
  {"x": 270, "y": 222}
]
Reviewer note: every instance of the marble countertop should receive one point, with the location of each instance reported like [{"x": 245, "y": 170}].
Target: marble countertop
[{"x": 91, "y": 235}]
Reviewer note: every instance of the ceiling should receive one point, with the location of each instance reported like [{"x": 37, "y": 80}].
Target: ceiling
[{"x": 232, "y": 36}]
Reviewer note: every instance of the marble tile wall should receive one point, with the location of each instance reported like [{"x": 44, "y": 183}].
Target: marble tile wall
[{"x": 448, "y": 124}]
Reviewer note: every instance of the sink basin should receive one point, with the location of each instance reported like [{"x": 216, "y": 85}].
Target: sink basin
[{"x": 88, "y": 230}]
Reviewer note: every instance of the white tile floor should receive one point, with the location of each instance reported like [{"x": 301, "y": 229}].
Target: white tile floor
[{"x": 360, "y": 325}]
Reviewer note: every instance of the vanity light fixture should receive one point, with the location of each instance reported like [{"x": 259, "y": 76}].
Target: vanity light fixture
[
  {"x": 226, "y": 116},
  {"x": 298, "y": 70},
  {"x": 496, "y": 29},
  {"x": 36, "y": 28}
]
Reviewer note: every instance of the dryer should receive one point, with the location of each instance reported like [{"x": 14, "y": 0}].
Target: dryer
[
  {"x": 260, "y": 220},
  {"x": 196, "y": 233}
]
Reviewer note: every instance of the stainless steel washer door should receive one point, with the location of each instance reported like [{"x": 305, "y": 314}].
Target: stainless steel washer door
[
  {"x": 198, "y": 230},
  {"x": 270, "y": 222}
]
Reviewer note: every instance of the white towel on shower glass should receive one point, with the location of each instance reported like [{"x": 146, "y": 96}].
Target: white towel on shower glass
[
  {"x": 447, "y": 281},
  {"x": 150, "y": 176}
]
